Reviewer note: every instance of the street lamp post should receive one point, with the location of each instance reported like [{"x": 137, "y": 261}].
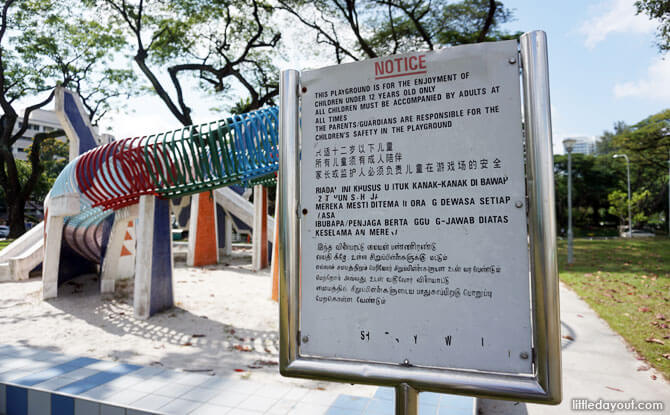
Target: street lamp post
[
  {"x": 668, "y": 215},
  {"x": 569, "y": 144},
  {"x": 630, "y": 220}
]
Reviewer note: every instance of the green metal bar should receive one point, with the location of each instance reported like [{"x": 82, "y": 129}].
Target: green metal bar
[
  {"x": 147, "y": 160},
  {"x": 158, "y": 152},
  {"x": 188, "y": 168},
  {"x": 214, "y": 153}
]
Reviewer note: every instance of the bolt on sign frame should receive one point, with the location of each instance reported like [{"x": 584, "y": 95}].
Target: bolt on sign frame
[{"x": 543, "y": 383}]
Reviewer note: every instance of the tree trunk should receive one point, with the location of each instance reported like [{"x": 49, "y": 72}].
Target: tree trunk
[{"x": 16, "y": 216}]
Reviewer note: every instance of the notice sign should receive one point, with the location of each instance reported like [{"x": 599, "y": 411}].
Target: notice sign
[{"x": 414, "y": 241}]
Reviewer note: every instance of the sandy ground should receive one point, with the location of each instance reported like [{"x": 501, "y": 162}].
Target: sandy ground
[{"x": 224, "y": 323}]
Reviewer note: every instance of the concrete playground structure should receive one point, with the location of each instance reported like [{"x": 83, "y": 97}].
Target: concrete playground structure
[
  {"x": 23, "y": 255},
  {"x": 110, "y": 209}
]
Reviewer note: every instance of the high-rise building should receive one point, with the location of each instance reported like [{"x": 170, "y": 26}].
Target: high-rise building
[
  {"x": 40, "y": 121},
  {"x": 584, "y": 145}
]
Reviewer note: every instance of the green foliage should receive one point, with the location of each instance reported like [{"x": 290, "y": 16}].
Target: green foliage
[
  {"x": 54, "y": 157},
  {"x": 232, "y": 45},
  {"x": 52, "y": 43},
  {"x": 593, "y": 178},
  {"x": 647, "y": 145},
  {"x": 466, "y": 19},
  {"x": 600, "y": 182},
  {"x": 659, "y": 10},
  {"x": 372, "y": 28},
  {"x": 41, "y": 187},
  {"x": 464, "y": 22},
  {"x": 648, "y": 142},
  {"x": 45, "y": 43},
  {"x": 241, "y": 106},
  {"x": 227, "y": 45},
  {"x": 639, "y": 206},
  {"x": 605, "y": 144}
]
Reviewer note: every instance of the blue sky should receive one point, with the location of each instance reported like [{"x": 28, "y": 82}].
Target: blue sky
[
  {"x": 604, "y": 67},
  {"x": 603, "y": 63}
]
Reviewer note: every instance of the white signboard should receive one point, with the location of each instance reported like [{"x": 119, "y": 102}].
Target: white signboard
[{"x": 414, "y": 246}]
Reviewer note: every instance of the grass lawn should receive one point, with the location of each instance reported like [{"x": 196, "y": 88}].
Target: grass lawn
[
  {"x": 5, "y": 243},
  {"x": 627, "y": 282}
]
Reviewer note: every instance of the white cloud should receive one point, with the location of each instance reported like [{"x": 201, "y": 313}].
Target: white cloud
[
  {"x": 653, "y": 86},
  {"x": 614, "y": 16}
]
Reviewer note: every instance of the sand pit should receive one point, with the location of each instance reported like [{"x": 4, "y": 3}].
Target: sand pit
[{"x": 224, "y": 323}]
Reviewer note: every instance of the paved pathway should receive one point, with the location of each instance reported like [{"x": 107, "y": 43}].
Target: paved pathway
[
  {"x": 597, "y": 364},
  {"x": 40, "y": 382}
]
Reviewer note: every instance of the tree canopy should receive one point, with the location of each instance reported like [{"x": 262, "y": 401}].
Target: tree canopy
[
  {"x": 647, "y": 142},
  {"x": 44, "y": 44},
  {"x": 647, "y": 145},
  {"x": 362, "y": 29},
  {"x": 233, "y": 45},
  {"x": 593, "y": 179},
  {"x": 659, "y": 10},
  {"x": 222, "y": 43},
  {"x": 600, "y": 195}
]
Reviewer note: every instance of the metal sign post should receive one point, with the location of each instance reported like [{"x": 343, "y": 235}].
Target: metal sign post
[
  {"x": 406, "y": 400},
  {"x": 416, "y": 219}
]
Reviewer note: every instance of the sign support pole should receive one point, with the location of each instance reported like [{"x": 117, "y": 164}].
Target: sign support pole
[
  {"x": 406, "y": 400},
  {"x": 541, "y": 212},
  {"x": 287, "y": 211}
]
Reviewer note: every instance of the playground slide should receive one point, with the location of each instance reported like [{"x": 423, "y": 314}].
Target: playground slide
[
  {"x": 23, "y": 255},
  {"x": 20, "y": 257},
  {"x": 241, "y": 209},
  {"x": 109, "y": 189}
]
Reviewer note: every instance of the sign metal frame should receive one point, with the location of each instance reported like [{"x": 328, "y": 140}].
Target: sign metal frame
[{"x": 544, "y": 385}]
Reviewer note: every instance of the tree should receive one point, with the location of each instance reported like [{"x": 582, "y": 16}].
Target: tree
[
  {"x": 659, "y": 10},
  {"x": 639, "y": 202},
  {"x": 222, "y": 43},
  {"x": 41, "y": 187},
  {"x": 592, "y": 181},
  {"x": 364, "y": 29},
  {"x": 43, "y": 44},
  {"x": 648, "y": 140},
  {"x": 53, "y": 157},
  {"x": 647, "y": 144},
  {"x": 605, "y": 145}
]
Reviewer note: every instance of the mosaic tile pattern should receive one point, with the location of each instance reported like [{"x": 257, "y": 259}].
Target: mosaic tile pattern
[{"x": 37, "y": 382}]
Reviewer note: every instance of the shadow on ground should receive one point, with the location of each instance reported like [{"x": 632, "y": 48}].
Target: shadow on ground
[
  {"x": 497, "y": 407},
  {"x": 200, "y": 340}
]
